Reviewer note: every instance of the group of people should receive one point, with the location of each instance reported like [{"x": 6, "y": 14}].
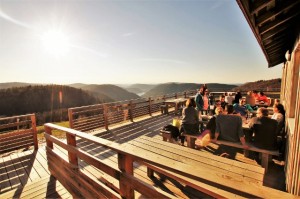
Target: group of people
[{"x": 227, "y": 121}]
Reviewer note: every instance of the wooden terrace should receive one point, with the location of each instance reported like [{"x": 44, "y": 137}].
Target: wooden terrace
[{"x": 26, "y": 175}]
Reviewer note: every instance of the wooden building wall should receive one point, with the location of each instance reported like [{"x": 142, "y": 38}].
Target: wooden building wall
[{"x": 290, "y": 97}]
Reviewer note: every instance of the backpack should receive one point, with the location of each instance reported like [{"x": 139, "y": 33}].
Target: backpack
[{"x": 173, "y": 129}]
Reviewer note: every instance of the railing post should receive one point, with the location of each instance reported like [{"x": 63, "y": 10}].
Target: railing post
[
  {"x": 125, "y": 164},
  {"x": 33, "y": 126},
  {"x": 150, "y": 104},
  {"x": 70, "y": 115},
  {"x": 105, "y": 115},
  {"x": 49, "y": 132},
  {"x": 71, "y": 140},
  {"x": 130, "y": 111},
  {"x": 184, "y": 94}
]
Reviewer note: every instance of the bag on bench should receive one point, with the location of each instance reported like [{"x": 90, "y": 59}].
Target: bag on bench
[
  {"x": 173, "y": 129},
  {"x": 204, "y": 139}
]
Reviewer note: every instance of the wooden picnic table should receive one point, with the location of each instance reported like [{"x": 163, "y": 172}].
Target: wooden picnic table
[
  {"x": 176, "y": 103},
  {"x": 210, "y": 174}
]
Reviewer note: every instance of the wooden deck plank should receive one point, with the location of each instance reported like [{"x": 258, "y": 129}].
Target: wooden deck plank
[
  {"x": 22, "y": 174},
  {"x": 11, "y": 172},
  {"x": 41, "y": 164},
  {"x": 27, "y": 162},
  {"x": 4, "y": 178},
  {"x": 38, "y": 189}
]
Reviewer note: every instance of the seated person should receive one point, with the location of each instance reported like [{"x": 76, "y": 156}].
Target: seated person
[
  {"x": 217, "y": 104},
  {"x": 211, "y": 125},
  {"x": 264, "y": 129},
  {"x": 229, "y": 127},
  {"x": 250, "y": 99},
  {"x": 223, "y": 103},
  {"x": 190, "y": 119},
  {"x": 262, "y": 98},
  {"x": 242, "y": 108},
  {"x": 279, "y": 116}
]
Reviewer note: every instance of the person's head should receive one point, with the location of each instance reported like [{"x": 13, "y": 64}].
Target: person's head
[
  {"x": 218, "y": 103},
  {"x": 242, "y": 102},
  {"x": 219, "y": 110},
  {"x": 229, "y": 109},
  {"x": 254, "y": 92},
  {"x": 249, "y": 93},
  {"x": 261, "y": 93},
  {"x": 206, "y": 92},
  {"x": 226, "y": 94},
  {"x": 278, "y": 108},
  {"x": 190, "y": 103},
  {"x": 277, "y": 101},
  {"x": 222, "y": 98},
  {"x": 262, "y": 112}
]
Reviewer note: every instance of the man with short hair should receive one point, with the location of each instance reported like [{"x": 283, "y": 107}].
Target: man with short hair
[
  {"x": 229, "y": 127},
  {"x": 264, "y": 129}
]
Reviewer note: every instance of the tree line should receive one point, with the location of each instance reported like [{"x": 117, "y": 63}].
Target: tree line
[{"x": 48, "y": 102}]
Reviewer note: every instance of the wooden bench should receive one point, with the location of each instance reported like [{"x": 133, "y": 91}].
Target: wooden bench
[
  {"x": 166, "y": 136},
  {"x": 265, "y": 154},
  {"x": 190, "y": 139}
]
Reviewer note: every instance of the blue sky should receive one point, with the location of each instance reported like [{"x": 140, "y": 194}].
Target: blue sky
[{"x": 128, "y": 41}]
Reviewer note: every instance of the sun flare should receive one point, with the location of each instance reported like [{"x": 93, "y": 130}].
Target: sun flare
[{"x": 55, "y": 42}]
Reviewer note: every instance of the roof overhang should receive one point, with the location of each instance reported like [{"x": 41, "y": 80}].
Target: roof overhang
[{"x": 275, "y": 24}]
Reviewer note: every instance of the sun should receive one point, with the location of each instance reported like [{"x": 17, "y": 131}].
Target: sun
[{"x": 55, "y": 42}]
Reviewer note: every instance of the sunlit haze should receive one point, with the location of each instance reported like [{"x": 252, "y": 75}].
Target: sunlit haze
[{"x": 128, "y": 41}]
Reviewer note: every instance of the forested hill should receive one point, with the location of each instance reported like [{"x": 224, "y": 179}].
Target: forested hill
[
  {"x": 13, "y": 84},
  {"x": 33, "y": 99},
  {"x": 107, "y": 92},
  {"x": 261, "y": 85},
  {"x": 168, "y": 88}
]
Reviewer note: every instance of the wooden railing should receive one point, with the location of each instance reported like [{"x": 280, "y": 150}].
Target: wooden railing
[
  {"x": 68, "y": 171},
  {"x": 87, "y": 118},
  {"x": 18, "y": 132}
]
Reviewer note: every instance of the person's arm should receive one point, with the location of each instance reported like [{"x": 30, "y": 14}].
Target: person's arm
[
  {"x": 217, "y": 133},
  {"x": 216, "y": 136},
  {"x": 241, "y": 134},
  {"x": 243, "y": 141}
]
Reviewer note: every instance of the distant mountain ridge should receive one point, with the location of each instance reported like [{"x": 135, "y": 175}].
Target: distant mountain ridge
[
  {"x": 261, "y": 85},
  {"x": 173, "y": 87},
  {"x": 139, "y": 89},
  {"x": 13, "y": 84},
  {"x": 107, "y": 92}
]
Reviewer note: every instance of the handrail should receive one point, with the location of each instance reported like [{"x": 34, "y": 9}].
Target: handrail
[{"x": 68, "y": 171}]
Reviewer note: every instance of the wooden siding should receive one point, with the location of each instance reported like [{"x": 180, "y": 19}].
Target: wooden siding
[{"x": 291, "y": 100}]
